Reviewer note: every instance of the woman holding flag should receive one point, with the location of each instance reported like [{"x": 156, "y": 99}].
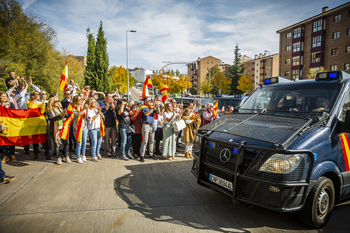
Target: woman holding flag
[
  {"x": 80, "y": 126},
  {"x": 96, "y": 128}
]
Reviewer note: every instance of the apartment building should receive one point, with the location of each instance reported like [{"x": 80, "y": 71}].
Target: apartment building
[
  {"x": 322, "y": 40},
  {"x": 261, "y": 67},
  {"x": 198, "y": 69}
]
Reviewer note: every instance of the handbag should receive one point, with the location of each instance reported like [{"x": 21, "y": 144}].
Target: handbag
[{"x": 179, "y": 125}]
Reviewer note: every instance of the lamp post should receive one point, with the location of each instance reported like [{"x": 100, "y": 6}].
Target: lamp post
[
  {"x": 268, "y": 64},
  {"x": 127, "y": 60}
]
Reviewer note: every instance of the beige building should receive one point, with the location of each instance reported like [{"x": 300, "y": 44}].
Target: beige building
[
  {"x": 261, "y": 67},
  {"x": 80, "y": 59},
  {"x": 198, "y": 69},
  {"x": 322, "y": 40}
]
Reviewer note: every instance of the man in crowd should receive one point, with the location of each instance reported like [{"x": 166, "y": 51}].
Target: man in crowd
[
  {"x": 65, "y": 103},
  {"x": 208, "y": 115},
  {"x": 43, "y": 95},
  {"x": 73, "y": 87},
  {"x": 12, "y": 81},
  {"x": 147, "y": 115},
  {"x": 108, "y": 107},
  {"x": 229, "y": 110}
]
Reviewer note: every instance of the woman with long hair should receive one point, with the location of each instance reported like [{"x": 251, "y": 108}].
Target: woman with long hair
[
  {"x": 168, "y": 132},
  {"x": 80, "y": 124},
  {"x": 34, "y": 102},
  {"x": 8, "y": 151},
  {"x": 56, "y": 115},
  {"x": 188, "y": 131},
  {"x": 94, "y": 118}
]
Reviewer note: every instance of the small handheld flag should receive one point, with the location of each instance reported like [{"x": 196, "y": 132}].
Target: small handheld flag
[
  {"x": 215, "y": 109},
  {"x": 64, "y": 78},
  {"x": 147, "y": 84},
  {"x": 165, "y": 90}
]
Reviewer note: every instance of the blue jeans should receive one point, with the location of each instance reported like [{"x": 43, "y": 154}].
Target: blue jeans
[
  {"x": 82, "y": 145},
  {"x": 125, "y": 141},
  {"x": 96, "y": 141},
  {"x": 2, "y": 173}
]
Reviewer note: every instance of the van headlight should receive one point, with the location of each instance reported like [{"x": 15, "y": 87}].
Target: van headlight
[{"x": 282, "y": 163}]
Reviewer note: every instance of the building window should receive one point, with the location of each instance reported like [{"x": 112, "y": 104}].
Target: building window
[
  {"x": 287, "y": 61},
  {"x": 348, "y": 32},
  {"x": 207, "y": 68},
  {"x": 316, "y": 57},
  {"x": 296, "y": 61},
  {"x": 347, "y": 49},
  {"x": 295, "y": 74},
  {"x": 334, "y": 52},
  {"x": 207, "y": 62},
  {"x": 335, "y": 35},
  {"x": 296, "y": 47},
  {"x": 286, "y": 74},
  {"x": 211, "y": 62},
  {"x": 316, "y": 41},
  {"x": 347, "y": 66},
  {"x": 297, "y": 33},
  {"x": 288, "y": 48},
  {"x": 337, "y": 18},
  {"x": 317, "y": 26},
  {"x": 334, "y": 67},
  {"x": 289, "y": 35}
]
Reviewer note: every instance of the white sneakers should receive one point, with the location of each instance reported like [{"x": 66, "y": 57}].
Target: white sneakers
[
  {"x": 68, "y": 159},
  {"x": 59, "y": 161},
  {"x": 94, "y": 159},
  {"x": 99, "y": 156},
  {"x": 84, "y": 158},
  {"x": 80, "y": 160}
]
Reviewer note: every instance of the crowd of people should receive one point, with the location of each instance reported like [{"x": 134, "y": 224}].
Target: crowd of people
[{"x": 142, "y": 126}]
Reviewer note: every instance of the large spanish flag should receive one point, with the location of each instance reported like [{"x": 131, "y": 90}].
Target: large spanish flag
[
  {"x": 20, "y": 127},
  {"x": 64, "y": 133},
  {"x": 215, "y": 109},
  {"x": 346, "y": 150},
  {"x": 80, "y": 127},
  {"x": 147, "y": 84},
  {"x": 165, "y": 90},
  {"x": 64, "y": 78}
]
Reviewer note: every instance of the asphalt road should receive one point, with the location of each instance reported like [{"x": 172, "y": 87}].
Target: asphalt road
[{"x": 129, "y": 196}]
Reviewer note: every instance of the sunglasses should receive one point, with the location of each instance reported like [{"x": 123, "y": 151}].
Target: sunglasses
[{"x": 57, "y": 101}]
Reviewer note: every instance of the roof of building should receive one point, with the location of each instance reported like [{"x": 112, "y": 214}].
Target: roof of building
[{"x": 328, "y": 12}]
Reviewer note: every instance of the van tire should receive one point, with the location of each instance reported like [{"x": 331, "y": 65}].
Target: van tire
[{"x": 319, "y": 203}]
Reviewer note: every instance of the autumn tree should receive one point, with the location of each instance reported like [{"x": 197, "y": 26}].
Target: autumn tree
[
  {"x": 245, "y": 84},
  {"x": 205, "y": 86},
  {"x": 313, "y": 72},
  {"x": 220, "y": 81},
  {"x": 119, "y": 79},
  {"x": 235, "y": 72}
]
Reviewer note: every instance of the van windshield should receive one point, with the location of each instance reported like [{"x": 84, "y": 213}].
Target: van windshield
[{"x": 296, "y": 98}]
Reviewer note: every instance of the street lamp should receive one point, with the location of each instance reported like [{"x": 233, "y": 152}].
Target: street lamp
[
  {"x": 268, "y": 64},
  {"x": 127, "y": 59}
]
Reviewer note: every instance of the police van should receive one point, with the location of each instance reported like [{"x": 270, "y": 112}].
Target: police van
[{"x": 292, "y": 155}]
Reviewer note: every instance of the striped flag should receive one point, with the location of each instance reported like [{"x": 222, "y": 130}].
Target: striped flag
[
  {"x": 102, "y": 128},
  {"x": 165, "y": 90},
  {"x": 346, "y": 150},
  {"x": 147, "y": 84},
  {"x": 215, "y": 108},
  {"x": 64, "y": 78},
  {"x": 80, "y": 127},
  {"x": 22, "y": 127},
  {"x": 64, "y": 133}
]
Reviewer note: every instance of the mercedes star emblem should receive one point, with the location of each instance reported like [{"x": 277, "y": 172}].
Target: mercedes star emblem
[{"x": 225, "y": 155}]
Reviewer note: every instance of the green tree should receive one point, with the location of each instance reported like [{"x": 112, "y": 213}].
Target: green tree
[
  {"x": 220, "y": 81},
  {"x": 235, "y": 72},
  {"x": 205, "y": 86},
  {"x": 103, "y": 80},
  {"x": 89, "y": 74},
  {"x": 245, "y": 84},
  {"x": 119, "y": 79}
]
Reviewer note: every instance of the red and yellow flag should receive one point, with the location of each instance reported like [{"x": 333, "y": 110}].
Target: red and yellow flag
[
  {"x": 165, "y": 90},
  {"x": 22, "y": 127},
  {"x": 346, "y": 151},
  {"x": 64, "y": 133},
  {"x": 64, "y": 78},
  {"x": 147, "y": 84},
  {"x": 215, "y": 108},
  {"x": 102, "y": 128},
  {"x": 80, "y": 127}
]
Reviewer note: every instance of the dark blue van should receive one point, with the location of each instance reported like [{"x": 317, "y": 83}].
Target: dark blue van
[{"x": 293, "y": 155}]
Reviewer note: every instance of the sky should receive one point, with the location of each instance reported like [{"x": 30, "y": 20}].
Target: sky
[{"x": 173, "y": 30}]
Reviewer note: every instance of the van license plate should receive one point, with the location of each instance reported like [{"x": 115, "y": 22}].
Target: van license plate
[{"x": 224, "y": 183}]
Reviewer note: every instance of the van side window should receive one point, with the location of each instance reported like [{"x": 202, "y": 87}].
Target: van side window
[{"x": 346, "y": 107}]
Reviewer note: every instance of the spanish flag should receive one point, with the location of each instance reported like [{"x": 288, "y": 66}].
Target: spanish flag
[
  {"x": 346, "y": 150},
  {"x": 64, "y": 78},
  {"x": 102, "y": 128},
  {"x": 64, "y": 133},
  {"x": 80, "y": 127},
  {"x": 20, "y": 127},
  {"x": 147, "y": 84},
  {"x": 165, "y": 90},
  {"x": 215, "y": 109}
]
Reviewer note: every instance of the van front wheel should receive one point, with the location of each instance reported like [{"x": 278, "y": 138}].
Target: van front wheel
[{"x": 319, "y": 203}]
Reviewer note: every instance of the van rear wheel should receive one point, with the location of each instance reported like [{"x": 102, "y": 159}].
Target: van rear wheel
[{"x": 319, "y": 203}]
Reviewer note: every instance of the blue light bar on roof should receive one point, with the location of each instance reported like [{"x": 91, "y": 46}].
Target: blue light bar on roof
[
  {"x": 333, "y": 75},
  {"x": 274, "y": 80}
]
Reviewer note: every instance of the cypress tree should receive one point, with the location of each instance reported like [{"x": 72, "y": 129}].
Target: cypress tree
[
  {"x": 103, "y": 80},
  {"x": 235, "y": 72},
  {"x": 89, "y": 73}
]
